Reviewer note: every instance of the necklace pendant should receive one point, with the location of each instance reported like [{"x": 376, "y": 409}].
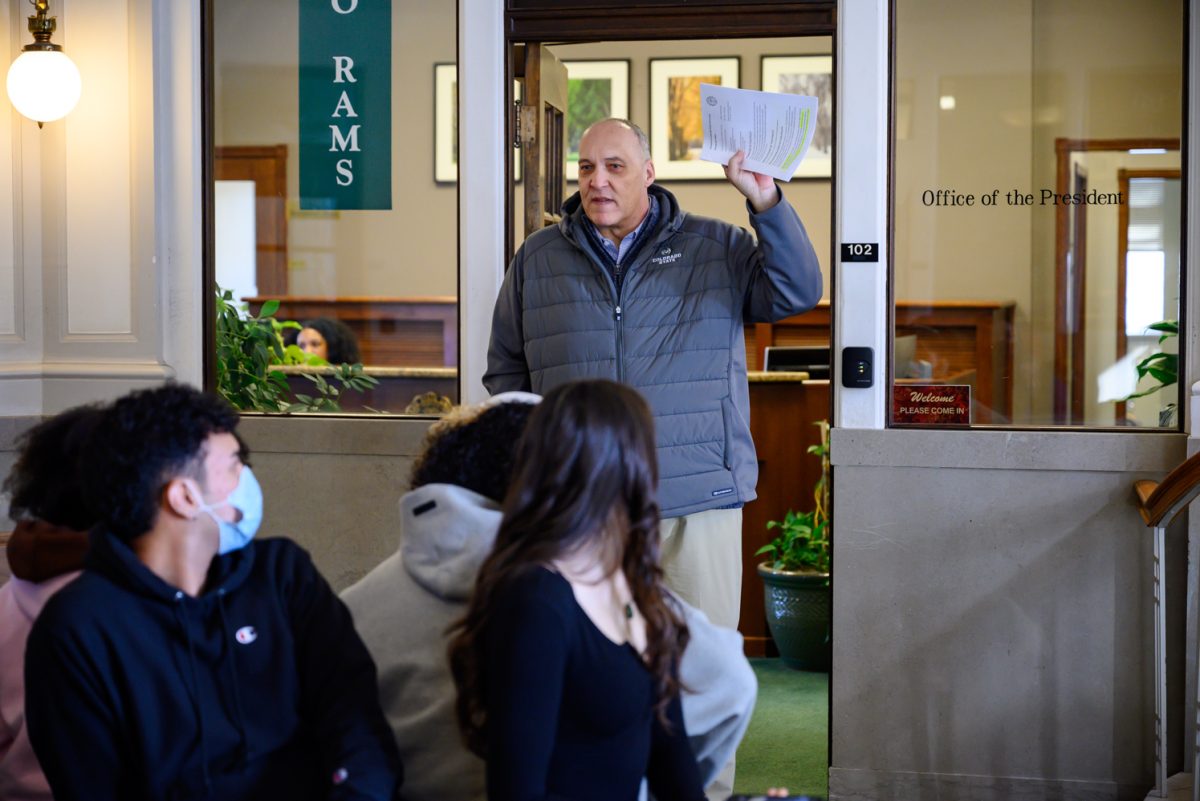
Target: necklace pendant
[{"x": 629, "y": 611}]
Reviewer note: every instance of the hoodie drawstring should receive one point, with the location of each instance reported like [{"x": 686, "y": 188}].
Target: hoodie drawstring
[
  {"x": 187, "y": 633},
  {"x": 239, "y": 715}
]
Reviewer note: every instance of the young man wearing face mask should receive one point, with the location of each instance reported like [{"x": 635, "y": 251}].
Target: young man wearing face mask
[{"x": 167, "y": 670}]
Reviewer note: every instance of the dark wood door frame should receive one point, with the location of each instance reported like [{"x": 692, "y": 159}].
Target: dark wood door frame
[
  {"x": 578, "y": 21},
  {"x": 1076, "y": 322},
  {"x": 531, "y": 22},
  {"x": 562, "y": 21},
  {"x": 1124, "y": 176},
  {"x": 266, "y": 166},
  {"x": 1068, "y": 344}
]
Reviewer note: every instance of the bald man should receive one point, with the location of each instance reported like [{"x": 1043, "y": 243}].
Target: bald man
[{"x": 632, "y": 288}]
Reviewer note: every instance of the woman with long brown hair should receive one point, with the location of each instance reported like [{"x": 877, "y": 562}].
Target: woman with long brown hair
[{"x": 566, "y": 663}]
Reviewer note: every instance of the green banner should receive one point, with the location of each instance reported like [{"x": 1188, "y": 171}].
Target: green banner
[{"x": 345, "y": 104}]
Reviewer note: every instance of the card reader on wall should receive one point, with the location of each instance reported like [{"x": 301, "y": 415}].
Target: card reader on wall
[{"x": 858, "y": 367}]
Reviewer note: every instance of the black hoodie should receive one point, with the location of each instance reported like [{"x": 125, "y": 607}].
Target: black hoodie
[{"x": 258, "y": 689}]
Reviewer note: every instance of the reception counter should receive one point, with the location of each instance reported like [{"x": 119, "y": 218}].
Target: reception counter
[
  {"x": 783, "y": 410},
  {"x": 397, "y": 387}
]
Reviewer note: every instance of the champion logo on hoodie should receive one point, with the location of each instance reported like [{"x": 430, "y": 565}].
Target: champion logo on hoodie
[{"x": 246, "y": 635}]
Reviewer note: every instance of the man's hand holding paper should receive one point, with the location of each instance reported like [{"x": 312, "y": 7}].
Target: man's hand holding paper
[{"x": 774, "y": 130}]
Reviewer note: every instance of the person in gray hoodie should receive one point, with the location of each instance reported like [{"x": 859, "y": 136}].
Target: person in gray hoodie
[{"x": 403, "y": 607}]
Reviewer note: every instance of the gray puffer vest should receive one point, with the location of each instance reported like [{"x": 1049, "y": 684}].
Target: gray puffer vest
[{"x": 675, "y": 332}]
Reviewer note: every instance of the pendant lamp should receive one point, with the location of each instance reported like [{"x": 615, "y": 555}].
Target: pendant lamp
[{"x": 43, "y": 83}]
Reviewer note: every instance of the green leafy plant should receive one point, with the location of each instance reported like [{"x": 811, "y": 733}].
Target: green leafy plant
[
  {"x": 803, "y": 539},
  {"x": 1162, "y": 367},
  {"x": 249, "y": 346}
]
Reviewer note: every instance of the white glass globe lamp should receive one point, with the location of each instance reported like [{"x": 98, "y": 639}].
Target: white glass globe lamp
[{"x": 43, "y": 83}]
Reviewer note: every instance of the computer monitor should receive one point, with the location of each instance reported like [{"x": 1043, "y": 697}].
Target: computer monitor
[
  {"x": 905, "y": 363},
  {"x": 811, "y": 359},
  {"x": 904, "y": 356}
]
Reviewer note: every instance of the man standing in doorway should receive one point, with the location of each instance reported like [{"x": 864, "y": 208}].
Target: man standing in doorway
[{"x": 630, "y": 287}]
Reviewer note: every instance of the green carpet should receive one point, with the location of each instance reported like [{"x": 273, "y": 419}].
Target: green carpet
[{"x": 788, "y": 739}]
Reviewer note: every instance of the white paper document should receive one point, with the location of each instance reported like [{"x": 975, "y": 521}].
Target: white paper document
[{"x": 773, "y": 129}]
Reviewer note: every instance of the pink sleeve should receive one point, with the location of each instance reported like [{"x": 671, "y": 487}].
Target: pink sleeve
[{"x": 20, "y": 603}]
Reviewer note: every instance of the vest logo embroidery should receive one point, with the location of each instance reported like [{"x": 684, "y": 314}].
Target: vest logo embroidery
[
  {"x": 720, "y": 492},
  {"x": 666, "y": 256},
  {"x": 246, "y": 635}
]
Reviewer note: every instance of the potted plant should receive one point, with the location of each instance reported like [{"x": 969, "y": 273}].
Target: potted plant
[
  {"x": 249, "y": 346},
  {"x": 1162, "y": 367},
  {"x": 796, "y": 576}
]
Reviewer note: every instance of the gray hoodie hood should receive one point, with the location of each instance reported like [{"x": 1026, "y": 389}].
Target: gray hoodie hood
[{"x": 445, "y": 534}]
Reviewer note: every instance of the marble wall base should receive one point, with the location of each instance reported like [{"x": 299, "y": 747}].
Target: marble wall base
[
  {"x": 993, "y": 615},
  {"x": 333, "y": 485},
  {"x": 869, "y": 785}
]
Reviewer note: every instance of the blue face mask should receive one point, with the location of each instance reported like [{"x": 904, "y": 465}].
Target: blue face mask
[{"x": 246, "y": 498}]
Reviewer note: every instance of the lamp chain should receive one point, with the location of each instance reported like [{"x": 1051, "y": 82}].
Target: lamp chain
[{"x": 42, "y": 26}]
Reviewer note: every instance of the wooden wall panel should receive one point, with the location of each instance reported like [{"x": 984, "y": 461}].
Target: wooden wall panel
[{"x": 781, "y": 422}]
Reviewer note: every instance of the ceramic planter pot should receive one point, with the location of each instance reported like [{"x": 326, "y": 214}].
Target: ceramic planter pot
[{"x": 798, "y": 613}]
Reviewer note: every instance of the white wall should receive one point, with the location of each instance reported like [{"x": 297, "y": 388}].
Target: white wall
[{"x": 85, "y": 316}]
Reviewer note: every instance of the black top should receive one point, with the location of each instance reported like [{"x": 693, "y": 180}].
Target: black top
[
  {"x": 569, "y": 712},
  {"x": 258, "y": 688}
]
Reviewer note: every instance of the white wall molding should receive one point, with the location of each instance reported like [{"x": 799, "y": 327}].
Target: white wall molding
[
  {"x": 178, "y": 215},
  {"x": 480, "y": 184},
  {"x": 10, "y": 276},
  {"x": 99, "y": 274},
  {"x": 108, "y": 209},
  {"x": 862, "y": 202},
  {"x": 138, "y": 371},
  {"x": 1195, "y": 410}
]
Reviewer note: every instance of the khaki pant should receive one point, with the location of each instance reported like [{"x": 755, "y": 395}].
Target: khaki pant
[{"x": 702, "y": 560}]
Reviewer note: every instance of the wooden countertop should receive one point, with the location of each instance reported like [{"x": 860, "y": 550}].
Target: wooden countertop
[
  {"x": 755, "y": 376},
  {"x": 761, "y": 377},
  {"x": 375, "y": 372}
]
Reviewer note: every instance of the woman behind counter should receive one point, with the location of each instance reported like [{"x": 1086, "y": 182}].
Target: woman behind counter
[
  {"x": 566, "y": 663},
  {"x": 330, "y": 339}
]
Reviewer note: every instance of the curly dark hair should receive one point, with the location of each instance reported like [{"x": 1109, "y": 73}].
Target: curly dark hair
[
  {"x": 340, "y": 342},
  {"x": 473, "y": 449},
  {"x": 143, "y": 441},
  {"x": 46, "y": 482},
  {"x": 586, "y": 471}
]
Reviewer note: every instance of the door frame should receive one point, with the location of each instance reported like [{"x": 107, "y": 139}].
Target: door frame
[
  {"x": 266, "y": 165},
  {"x": 486, "y": 32},
  {"x": 1124, "y": 176},
  {"x": 1069, "y": 351}
]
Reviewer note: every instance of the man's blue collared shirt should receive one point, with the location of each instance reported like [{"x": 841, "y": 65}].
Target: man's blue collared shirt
[{"x": 615, "y": 255}]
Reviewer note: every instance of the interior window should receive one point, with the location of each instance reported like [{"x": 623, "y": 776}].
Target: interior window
[
  {"x": 1036, "y": 213},
  {"x": 335, "y": 160}
]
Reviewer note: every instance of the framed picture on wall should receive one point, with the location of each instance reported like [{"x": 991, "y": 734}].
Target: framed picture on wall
[
  {"x": 595, "y": 90},
  {"x": 813, "y": 76},
  {"x": 445, "y": 125},
  {"x": 676, "y": 132}
]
